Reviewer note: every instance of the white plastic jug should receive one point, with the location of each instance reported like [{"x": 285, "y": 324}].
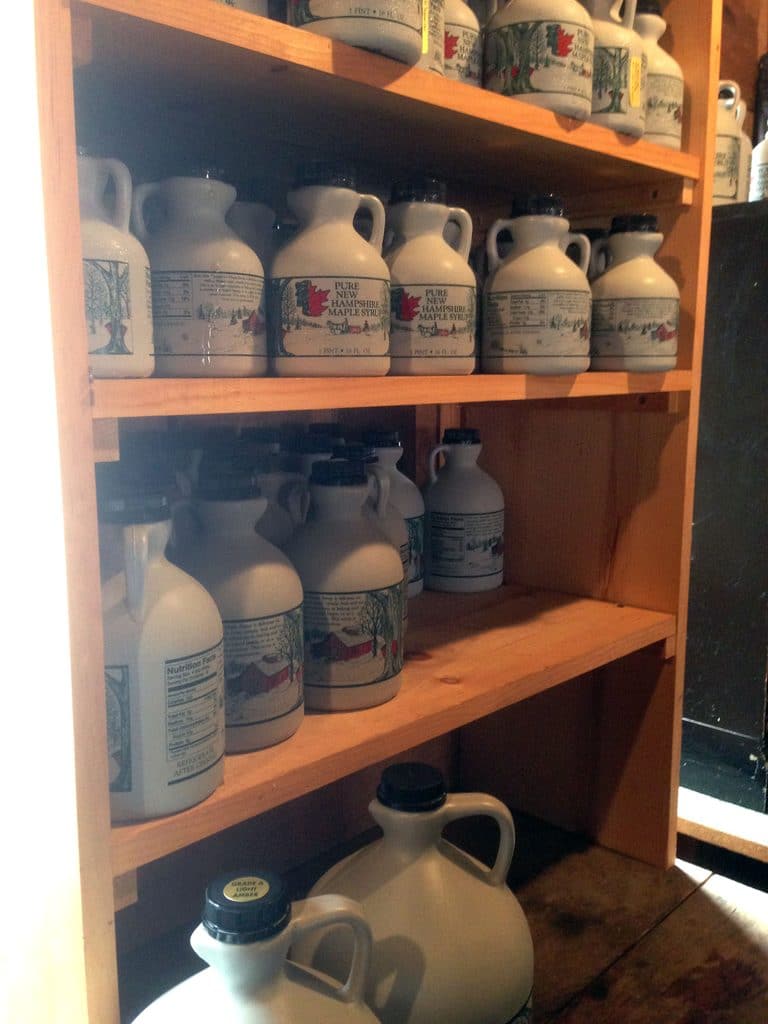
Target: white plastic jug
[
  {"x": 434, "y": 58},
  {"x": 391, "y": 27},
  {"x": 450, "y": 942},
  {"x": 463, "y": 44},
  {"x": 731, "y": 166},
  {"x": 248, "y": 926},
  {"x": 665, "y": 86}
]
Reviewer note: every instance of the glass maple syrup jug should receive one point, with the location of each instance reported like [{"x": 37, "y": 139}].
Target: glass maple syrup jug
[
  {"x": 247, "y": 928},
  {"x": 450, "y": 941},
  {"x": 117, "y": 291},
  {"x": 207, "y": 284},
  {"x": 619, "y": 80},
  {"x": 329, "y": 287}
]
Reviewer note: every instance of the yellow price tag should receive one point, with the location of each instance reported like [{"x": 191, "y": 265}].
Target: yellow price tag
[
  {"x": 425, "y": 26},
  {"x": 635, "y": 81}
]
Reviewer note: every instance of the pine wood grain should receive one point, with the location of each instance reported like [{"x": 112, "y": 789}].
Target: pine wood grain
[{"x": 723, "y": 824}]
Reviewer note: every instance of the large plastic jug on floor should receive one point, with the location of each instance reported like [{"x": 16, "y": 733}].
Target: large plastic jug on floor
[
  {"x": 451, "y": 944},
  {"x": 247, "y": 929}
]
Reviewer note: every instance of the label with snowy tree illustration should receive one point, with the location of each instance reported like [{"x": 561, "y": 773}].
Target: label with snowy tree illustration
[
  {"x": 263, "y": 667},
  {"x": 664, "y": 106},
  {"x": 401, "y": 12},
  {"x": 463, "y": 54},
  {"x": 539, "y": 57},
  {"x": 208, "y": 312},
  {"x": 537, "y": 323},
  {"x": 433, "y": 320},
  {"x": 727, "y": 152},
  {"x": 107, "y": 288},
  {"x": 415, "y": 526},
  {"x": 194, "y": 714},
  {"x": 353, "y": 639},
  {"x": 619, "y": 80},
  {"x": 329, "y": 316},
  {"x": 463, "y": 544},
  {"x": 635, "y": 327},
  {"x": 117, "y": 680}
]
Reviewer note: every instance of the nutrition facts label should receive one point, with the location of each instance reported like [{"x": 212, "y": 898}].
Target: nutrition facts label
[{"x": 194, "y": 689}]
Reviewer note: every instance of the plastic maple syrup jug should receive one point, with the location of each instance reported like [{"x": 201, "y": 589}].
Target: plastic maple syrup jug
[
  {"x": 259, "y": 597},
  {"x": 636, "y": 304},
  {"x": 352, "y": 578},
  {"x": 450, "y": 941},
  {"x": 536, "y": 309},
  {"x": 665, "y": 87},
  {"x": 434, "y": 292},
  {"x": 391, "y": 27},
  {"x": 434, "y": 58},
  {"x": 541, "y": 52},
  {"x": 728, "y": 187},
  {"x": 620, "y": 74},
  {"x": 163, "y": 665},
  {"x": 464, "y": 543},
  {"x": 207, "y": 285},
  {"x": 247, "y": 928},
  {"x": 463, "y": 44},
  {"x": 117, "y": 291},
  {"x": 329, "y": 287},
  {"x": 407, "y": 499}
]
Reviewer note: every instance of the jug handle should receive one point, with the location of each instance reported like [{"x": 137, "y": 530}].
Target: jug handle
[
  {"x": 433, "y": 460},
  {"x": 294, "y": 497},
  {"x": 728, "y": 85},
  {"x": 136, "y": 556},
  {"x": 378, "y": 488},
  {"x": 584, "y": 247},
  {"x": 140, "y": 195},
  {"x": 326, "y": 911},
  {"x": 467, "y": 805},
  {"x": 464, "y": 223},
  {"x": 184, "y": 522},
  {"x": 601, "y": 247},
  {"x": 741, "y": 113},
  {"x": 376, "y": 209},
  {"x": 121, "y": 176},
  {"x": 491, "y": 243},
  {"x": 630, "y": 7}
]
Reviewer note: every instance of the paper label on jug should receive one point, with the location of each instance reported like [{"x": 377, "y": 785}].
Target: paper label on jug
[
  {"x": 329, "y": 316},
  {"x": 406, "y": 13},
  {"x": 208, "y": 313},
  {"x": 539, "y": 57},
  {"x": 435, "y": 40},
  {"x": 194, "y": 715},
  {"x": 727, "y": 153},
  {"x": 117, "y": 681},
  {"x": 635, "y": 327},
  {"x": 465, "y": 544},
  {"x": 263, "y": 667},
  {"x": 618, "y": 81},
  {"x": 353, "y": 639},
  {"x": 415, "y": 526},
  {"x": 108, "y": 310},
  {"x": 537, "y": 323},
  {"x": 462, "y": 53},
  {"x": 433, "y": 320},
  {"x": 637, "y": 76},
  {"x": 664, "y": 106},
  {"x": 758, "y": 183}
]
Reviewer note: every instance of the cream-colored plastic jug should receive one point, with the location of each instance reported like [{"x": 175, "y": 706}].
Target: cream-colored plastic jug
[
  {"x": 248, "y": 926},
  {"x": 450, "y": 942},
  {"x": 665, "y": 86}
]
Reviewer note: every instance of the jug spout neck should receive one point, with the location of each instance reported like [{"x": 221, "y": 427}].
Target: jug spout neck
[
  {"x": 243, "y": 969},
  {"x": 338, "y": 502},
  {"x": 463, "y": 454},
  {"x": 413, "y": 219},
  {"x": 409, "y": 833},
  {"x": 316, "y": 204},
  {"x": 627, "y": 245},
  {"x": 531, "y": 232},
  {"x": 231, "y": 518}
]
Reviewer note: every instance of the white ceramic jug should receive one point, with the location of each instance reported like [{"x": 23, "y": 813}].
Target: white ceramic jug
[
  {"x": 541, "y": 52},
  {"x": 406, "y": 498},
  {"x": 163, "y": 666},
  {"x": 536, "y": 310},
  {"x": 254, "y": 223},
  {"x": 729, "y": 164},
  {"x": 248, "y": 926},
  {"x": 117, "y": 291},
  {"x": 450, "y": 941},
  {"x": 433, "y": 286},
  {"x": 665, "y": 87},
  {"x": 258, "y": 594},
  {"x": 391, "y": 27},
  {"x": 619, "y": 81},
  {"x": 635, "y": 304},
  {"x": 352, "y": 578},
  {"x": 434, "y": 58},
  {"x": 464, "y": 523},
  {"x": 329, "y": 287},
  {"x": 463, "y": 45},
  {"x": 207, "y": 285}
]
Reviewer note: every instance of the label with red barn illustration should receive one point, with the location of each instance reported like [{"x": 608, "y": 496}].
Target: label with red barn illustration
[
  {"x": 353, "y": 639},
  {"x": 537, "y": 323},
  {"x": 433, "y": 320},
  {"x": 263, "y": 667},
  {"x": 463, "y": 54},
  {"x": 329, "y": 316},
  {"x": 539, "y": 57},
  {"x": 635, "y": 327},
  {"x": 209, "y": 312},
  {"x": 664, "y": 106},
  {"x": 463, "y": 544}
]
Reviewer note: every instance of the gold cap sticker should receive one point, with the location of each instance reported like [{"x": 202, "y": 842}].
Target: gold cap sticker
[{"x": 246, "y": 888}]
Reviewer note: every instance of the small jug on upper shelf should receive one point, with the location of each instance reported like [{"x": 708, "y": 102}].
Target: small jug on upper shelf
[
  {"x": 620, "y": 74},
  {"x": 391, "y": 27},
  {"x": 665, "y": 86},
  {"x": 253, "y": 222},
  {"x": 118, "y": 296},
  {"x": 463, "y": 45},
  {"x": 207, "y": 285},
  {"x": 733, "y": 150}
]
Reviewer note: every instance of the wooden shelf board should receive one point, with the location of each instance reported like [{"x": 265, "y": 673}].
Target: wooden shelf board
[
  {"x": 722, "y": 824},
  {"x": 115, "y": 399},
  {"x": 259, "y": 80},
  {"x": 469, "y": 655}
]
